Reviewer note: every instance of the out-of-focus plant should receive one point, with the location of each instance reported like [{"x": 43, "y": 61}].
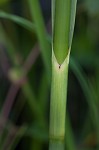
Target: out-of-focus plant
[
  {"x": 2, "y": 2},
  {"x": 21, "y": 43}
]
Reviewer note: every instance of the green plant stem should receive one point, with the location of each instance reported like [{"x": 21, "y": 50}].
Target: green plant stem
[
  {"x": 58, "y": 99},
  {"x": 63, "y": 19},
  {"x": 56, "y": 145},
  {"x": 41, "y": 33}
]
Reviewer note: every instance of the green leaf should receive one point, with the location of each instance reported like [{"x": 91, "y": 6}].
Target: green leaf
[
  {"x": 63, "y": 20},
  {"x": 72, "y": 20},
  {"x": 19, "y": 20}
]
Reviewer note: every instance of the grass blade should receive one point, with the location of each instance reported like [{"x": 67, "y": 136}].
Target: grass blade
[
  {"x": 88, "y": 94},
  {"x": 19, "y": 20},
  {"x": 41, "y": 32},
  {"x": 63, "y": 20}
]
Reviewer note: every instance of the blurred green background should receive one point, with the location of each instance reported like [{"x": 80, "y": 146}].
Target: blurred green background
[{"x": 25, "y": 77}]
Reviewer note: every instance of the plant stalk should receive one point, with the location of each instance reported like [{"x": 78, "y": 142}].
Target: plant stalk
[
  {"x": 58, "y": 100},
  {"x": 63, "y": 20}
]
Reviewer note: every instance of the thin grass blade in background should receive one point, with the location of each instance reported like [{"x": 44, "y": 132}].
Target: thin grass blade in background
[
  {"x": 19, "y": 20},
  {"x": 37, "y": 17}
]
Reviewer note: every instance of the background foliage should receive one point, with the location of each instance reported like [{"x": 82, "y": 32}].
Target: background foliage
[{"x": 25, "y": 77}]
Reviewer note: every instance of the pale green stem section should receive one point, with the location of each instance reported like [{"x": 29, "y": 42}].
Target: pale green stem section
[
  {"x": 58, "y": 99},
  {"x": 56, "y": 145}
]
